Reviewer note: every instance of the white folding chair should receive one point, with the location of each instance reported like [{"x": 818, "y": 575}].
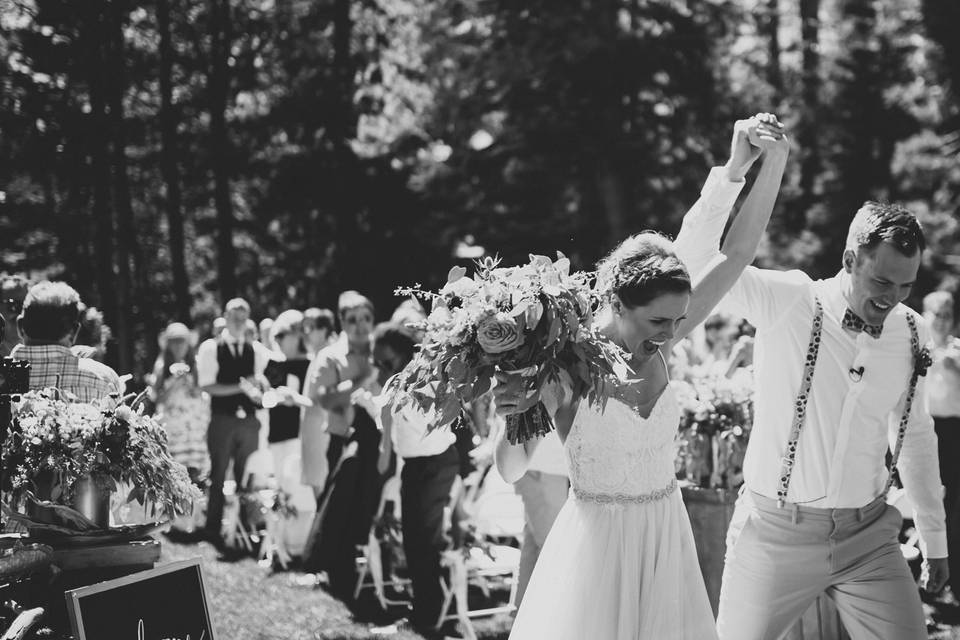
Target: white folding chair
[
  {"x": 370, "y": 562},
  {"x": 495, "y": 514}
]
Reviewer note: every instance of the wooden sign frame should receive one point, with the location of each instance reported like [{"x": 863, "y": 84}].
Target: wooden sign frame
[{"x": 74, "y": 595}]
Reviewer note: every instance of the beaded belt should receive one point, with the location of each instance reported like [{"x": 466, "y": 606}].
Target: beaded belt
[{"x": 622, "y": 498}]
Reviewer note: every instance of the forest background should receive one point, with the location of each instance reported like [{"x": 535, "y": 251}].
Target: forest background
[{"x": 164, "y": 156}]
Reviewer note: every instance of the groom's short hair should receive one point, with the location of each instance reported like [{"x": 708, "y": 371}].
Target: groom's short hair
[{"x": 878, "y": 222}]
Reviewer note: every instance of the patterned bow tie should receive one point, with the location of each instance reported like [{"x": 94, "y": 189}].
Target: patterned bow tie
[{"x": 855, "y": 323}]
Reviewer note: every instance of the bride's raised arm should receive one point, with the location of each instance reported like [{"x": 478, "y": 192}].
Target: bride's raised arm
[{"x": 764, "y": 134}]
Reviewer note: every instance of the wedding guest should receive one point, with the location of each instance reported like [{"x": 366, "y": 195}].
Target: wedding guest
[
  {"x": 543, "y": 490},
  {"x": 48, "y": 325},
  {"x": 265, "y": 331},
  {"x": 286, "y": 373},
  {"x": 13, "y": 290},
  {"x": 182, "y": 408},
  {"x": 93, "y": 336},
  {"x": 943, "y": 396},
  {"x": 334, "y": 374},
  {"x": 352, "y": 492},
  {"x": 430, "y": 465},
  {"x": 251, "y": 332},
  {"x": 319, "y": 330},
  {"x": 741, "y": 356},
  {"x": 230, "y": 368}
]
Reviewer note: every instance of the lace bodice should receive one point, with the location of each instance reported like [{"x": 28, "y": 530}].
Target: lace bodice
[{"x": 615, "y": 452}]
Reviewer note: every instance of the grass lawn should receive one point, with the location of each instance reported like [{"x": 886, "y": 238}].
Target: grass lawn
[{"x": 250, "y": 602}]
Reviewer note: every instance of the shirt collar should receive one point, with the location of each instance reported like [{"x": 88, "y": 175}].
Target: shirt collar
[
  {"x": 227, "y": 337},
  {"x": 46, "y": 350}
]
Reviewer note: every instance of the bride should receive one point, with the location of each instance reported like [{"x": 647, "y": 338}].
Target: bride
[{"x": 620, "y": 561}]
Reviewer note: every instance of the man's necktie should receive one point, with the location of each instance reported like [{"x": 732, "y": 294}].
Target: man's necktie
[{"x": 855, "y": 323}]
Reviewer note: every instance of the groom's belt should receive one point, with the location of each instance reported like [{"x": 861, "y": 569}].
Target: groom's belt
[
  {"x": 769, "y": 505},
  {"x": 624, "y": 498}
]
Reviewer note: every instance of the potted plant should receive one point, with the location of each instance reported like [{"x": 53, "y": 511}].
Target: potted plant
[{"x": 62, "y": 460}]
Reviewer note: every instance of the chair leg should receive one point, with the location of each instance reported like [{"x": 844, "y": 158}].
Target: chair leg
[
  {"x": 362, "y": 573},
  {"x": 459, "y": 575},
  {"x": 375, "y": 566},
  {"x": 448, "y": 589}
]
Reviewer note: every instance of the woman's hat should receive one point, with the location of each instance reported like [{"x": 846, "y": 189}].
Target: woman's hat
[{"x": 177, "y": 330}]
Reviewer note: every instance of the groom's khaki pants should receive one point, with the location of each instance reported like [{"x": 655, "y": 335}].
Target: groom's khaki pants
[{"x": 780, "y": 559}]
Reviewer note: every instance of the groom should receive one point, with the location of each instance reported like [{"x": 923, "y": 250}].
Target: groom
[{"x": 838, "y": 380}]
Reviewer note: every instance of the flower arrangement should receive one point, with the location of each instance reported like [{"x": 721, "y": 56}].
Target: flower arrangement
[
  {"x": 717, "y": 415},
  {"x": 534, "y": 320},
  {"x": 54, "y": 446}
]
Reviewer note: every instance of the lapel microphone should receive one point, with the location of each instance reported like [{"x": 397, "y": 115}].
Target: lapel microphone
[{"x": 856, "y": 374}]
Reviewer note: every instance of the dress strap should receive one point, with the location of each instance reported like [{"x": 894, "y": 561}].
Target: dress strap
[
  {"x": 664, "y": 361},
  {"x": 800, "y": 406}
]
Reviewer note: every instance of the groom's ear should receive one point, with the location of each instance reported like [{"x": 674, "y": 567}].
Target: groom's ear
[{"x": 849, "y": 259}]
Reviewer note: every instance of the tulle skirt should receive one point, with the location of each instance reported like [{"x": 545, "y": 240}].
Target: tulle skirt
[{"x": 617, "y": 572}]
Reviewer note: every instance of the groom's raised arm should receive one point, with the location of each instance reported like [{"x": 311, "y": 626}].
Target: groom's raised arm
[{"x": 698, "y": 242}]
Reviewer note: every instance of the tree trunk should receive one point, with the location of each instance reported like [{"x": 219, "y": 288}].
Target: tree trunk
[
  {"x": 219, "y": 83},
  {"x": 941, "y": 17},
  {"x": 860, "y": 114},
  {"x": 344, "y": 176},
  {"x": 127, "y": 244},
  {"x": 169, "y": 155},
  {"x": 343, "y": 70},
  {"x": 611, "y": 116},
  {"x": 810, "y": 99},
  {"x": 772, "y": 29},
  {"x": 611, "y": 190},
  {"x": 100, "y": 161}
]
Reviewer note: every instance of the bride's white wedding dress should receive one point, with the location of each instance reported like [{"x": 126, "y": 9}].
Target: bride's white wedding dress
[{"x": 620, "y": 561}]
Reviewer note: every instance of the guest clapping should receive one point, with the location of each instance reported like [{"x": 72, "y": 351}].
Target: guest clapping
[{"x": 333, "y": 376}]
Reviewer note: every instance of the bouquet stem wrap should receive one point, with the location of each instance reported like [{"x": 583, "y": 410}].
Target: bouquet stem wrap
[{"x": 533, "y": 423}]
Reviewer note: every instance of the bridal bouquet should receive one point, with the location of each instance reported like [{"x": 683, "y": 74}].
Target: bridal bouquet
[
  {"x": 55, "y": 447},
  {"x": 534, "y": 320}
]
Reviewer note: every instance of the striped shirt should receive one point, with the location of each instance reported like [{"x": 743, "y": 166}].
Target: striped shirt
[{"x": 54, "y": 365}]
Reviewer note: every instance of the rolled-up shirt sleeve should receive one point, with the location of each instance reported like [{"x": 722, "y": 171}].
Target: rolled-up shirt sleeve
[
  {"x": 207, "y": 365},
  {"x": 919, "y": 469}
]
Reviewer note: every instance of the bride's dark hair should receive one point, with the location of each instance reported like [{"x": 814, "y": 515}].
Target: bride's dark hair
[{"x": 641, "y": 268}]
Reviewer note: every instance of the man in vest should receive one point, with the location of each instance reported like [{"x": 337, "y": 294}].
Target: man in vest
[
  {"x": 230, "y": 369},
  {"x": 839, "y": 366}
]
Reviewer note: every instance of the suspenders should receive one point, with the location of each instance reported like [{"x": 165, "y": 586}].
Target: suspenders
[{"x": 803, "y": 397}]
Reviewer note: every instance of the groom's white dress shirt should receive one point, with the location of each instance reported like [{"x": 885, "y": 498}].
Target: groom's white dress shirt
[{"x": 851, "y": 419}]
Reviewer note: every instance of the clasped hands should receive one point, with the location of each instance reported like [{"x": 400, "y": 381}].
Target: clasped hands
[{"x": 753, "y": 137}]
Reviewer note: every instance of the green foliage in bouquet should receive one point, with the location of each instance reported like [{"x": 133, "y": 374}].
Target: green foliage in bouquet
[
  {"x": 535, "y": 320},
  {"x": 53, "y": 444}
]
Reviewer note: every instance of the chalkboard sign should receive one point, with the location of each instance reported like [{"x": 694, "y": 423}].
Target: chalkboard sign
[{"x": 168, "y": 602}]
